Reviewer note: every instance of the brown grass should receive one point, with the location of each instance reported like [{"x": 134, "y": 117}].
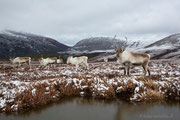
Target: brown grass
[
  {"x": 46, "y": 93},
  {"x": 152, "y": 95},
  {"x": 149, "y": 83}
]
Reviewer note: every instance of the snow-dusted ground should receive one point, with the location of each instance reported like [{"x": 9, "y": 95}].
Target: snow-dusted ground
[{"x": 102, "y": 80}]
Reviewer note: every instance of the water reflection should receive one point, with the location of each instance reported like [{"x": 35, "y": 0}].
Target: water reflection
[{"x": 88, "y": 109}]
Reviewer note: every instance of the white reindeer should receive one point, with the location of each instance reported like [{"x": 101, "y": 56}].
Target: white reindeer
[
  {"x": 53, "y": 59},
  {"x": 105, "y": 60},
  {"x": 21, "y": 60},
  {"x": 60, "y": 60},
  {"x": 82, "y": 60},
  {"x": 128, "y": 58},
  {"x": 117, "y": 61},
  {"x": 46, "y": 61}
]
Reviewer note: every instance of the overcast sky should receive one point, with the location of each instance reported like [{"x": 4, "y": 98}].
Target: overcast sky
[{"x": 69, "y": 21}]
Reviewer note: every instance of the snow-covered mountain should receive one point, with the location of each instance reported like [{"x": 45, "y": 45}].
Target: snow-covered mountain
[
  {"x": 103, "y": 44},
  {"x": 136, "y": 45},
  {"x": 22, "y": 44},
  {"x": 96, "y": 43},
  {"x": 168, "y": 47}
]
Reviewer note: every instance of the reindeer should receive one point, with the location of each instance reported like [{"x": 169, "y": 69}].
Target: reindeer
[
  {"x": 105, "y": 60},
  {"x": 128, "y": 58},
  {"x": 60, "y": 60},
  {"x": 53, "y": 59},
  {"x": 78, "y": 60},
  {"x": 21, "y": 60},
  {"x": 46, "y": 61}
]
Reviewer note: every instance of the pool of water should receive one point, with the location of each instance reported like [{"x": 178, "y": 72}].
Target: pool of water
[{"x": 93, "y": 109}]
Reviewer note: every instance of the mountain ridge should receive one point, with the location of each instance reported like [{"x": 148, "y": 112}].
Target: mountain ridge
[
  {"x": 23, "y": 44},
  {"x": 168, "y": 47}
]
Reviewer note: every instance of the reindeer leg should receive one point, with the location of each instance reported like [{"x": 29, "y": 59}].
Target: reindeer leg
[
  {"x": 29, "y": 64},
  {"x": 125, "y": 70},
  {"x": 30, "y": 67},
  {"x": 87, "y": 66},
  {"x": 145, "y": 69},
  {"x": 128, "y": 69},
  {"x": 148, "y": 71},
  {"x": 77, "y": 65},
  {"x": 84, "y": 66}
]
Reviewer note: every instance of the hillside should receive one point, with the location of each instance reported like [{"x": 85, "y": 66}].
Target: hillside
[
  {"x": 102, "y": 45},
  {"x": 96, "y": 43},
  {"x": 168, "y": 47},
  {"x": 23, "y": 44}
]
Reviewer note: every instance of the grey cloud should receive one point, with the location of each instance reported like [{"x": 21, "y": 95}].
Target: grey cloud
[{"x": 72, "y": 20}]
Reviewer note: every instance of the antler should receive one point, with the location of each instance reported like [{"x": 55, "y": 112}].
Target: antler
[
  {"x": 115, "y": 43},
  {"x": 126, "y": 39},
  {"x": 125, "y": 43}
]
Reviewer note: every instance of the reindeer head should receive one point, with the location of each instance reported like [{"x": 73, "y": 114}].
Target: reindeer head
[
  {"x": 40, "y": 59},
  {"x": 11, "y": 59},
  {"x": 119, "y": 49},
  {"x": 69, "y": 59}
]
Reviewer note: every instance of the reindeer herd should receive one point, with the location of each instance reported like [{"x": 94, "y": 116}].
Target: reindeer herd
[
  {"x": 126, "y": 58},
  {"x": 82, "y": 60}
]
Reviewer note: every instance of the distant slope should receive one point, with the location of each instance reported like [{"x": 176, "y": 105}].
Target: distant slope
[
  {"x": 103, "y": 45},
  {"x": 168, "y": 47},
  {"x": 95, "y": 44},
  {"x": 172, "y": 41},
  {"x": 23, "y": 44}
]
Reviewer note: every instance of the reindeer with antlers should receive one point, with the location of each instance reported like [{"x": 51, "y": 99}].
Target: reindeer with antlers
[{"x": 128, "y": 58}]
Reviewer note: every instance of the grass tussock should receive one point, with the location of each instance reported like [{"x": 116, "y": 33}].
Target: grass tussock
[
  {"x": 152, "y": 95},
  {"x": 149, "y": 83}
]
